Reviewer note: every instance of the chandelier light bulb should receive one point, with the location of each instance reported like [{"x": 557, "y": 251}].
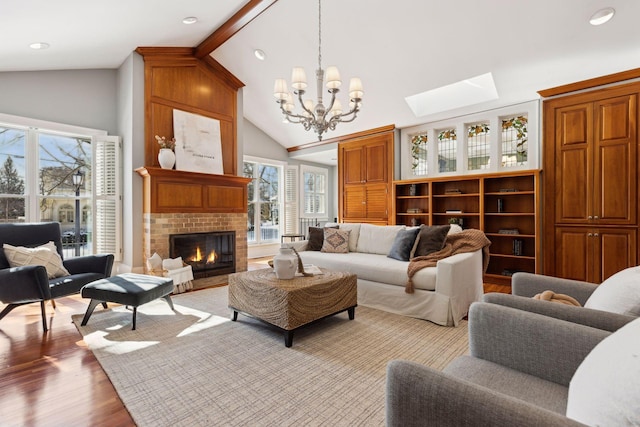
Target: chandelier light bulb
[
  {"x": 280, "y": 89},
  {"x": 333, "y": 78},
  {"x": 298, "y": 78}
]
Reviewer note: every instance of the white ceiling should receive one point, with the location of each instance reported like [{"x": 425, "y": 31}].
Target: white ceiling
[{"x": 398, "y": 48}]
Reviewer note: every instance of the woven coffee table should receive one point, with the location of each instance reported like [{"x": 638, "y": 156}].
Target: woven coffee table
[{"x": 289, "y": 304}]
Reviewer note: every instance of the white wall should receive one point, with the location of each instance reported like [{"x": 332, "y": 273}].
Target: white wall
[{"x": 85, "y": 98}]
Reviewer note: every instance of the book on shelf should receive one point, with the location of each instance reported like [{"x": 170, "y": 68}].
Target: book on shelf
[
  {"x": 453, "y": 211},
  {"x": 453, "y": 191}
]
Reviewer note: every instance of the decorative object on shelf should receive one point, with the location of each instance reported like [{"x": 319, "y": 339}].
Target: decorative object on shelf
[
  {"x": 500, "y": 205},
  {"x": 452, "y": 191},
  {"x": 454, "y": 211},
  {"x": 415, "y": 222},
  {"x": 413, "y": 190},
  {"x": 517, "y": 247},
  {"x": 454, "y": 220},
  {"x": 166, "y": 156},
  {"x": 318, "y": 117},
  {"x": 508, "y": 231},
  {"x": 414, "y": 210}
]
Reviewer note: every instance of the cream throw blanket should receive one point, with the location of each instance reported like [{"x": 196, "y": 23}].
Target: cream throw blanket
[{"x": 469, "y": 240}]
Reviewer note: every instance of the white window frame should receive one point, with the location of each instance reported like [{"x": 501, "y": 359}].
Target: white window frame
[
  {"x": 317, "y": 171},
  {"x": 111, "y": 240},
  {"x": 281, "y": 196}
]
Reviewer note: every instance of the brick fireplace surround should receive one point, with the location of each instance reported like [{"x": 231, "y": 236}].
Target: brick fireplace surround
[{"x": 178, "y": 202}]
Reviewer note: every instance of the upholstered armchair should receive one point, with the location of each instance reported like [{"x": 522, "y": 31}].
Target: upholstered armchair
[
  {"x": 34, "y": 270},
  {"x": 609, "y": 306},
  {"x": 524, "y": 369}
]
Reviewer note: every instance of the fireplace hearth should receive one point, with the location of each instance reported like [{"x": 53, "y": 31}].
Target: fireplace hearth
[{"x": 209, "y": 253}]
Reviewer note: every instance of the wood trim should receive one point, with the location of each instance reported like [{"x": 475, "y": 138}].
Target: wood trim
[
  {"x": 173, "y": 191},
  {"x": 246, "y": 14},
  {"x": 591, "y": 83},
  {"x": 350, "y": 137}
]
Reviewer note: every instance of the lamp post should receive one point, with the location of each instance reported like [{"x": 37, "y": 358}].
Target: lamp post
[{"x": 78, "y": 181}]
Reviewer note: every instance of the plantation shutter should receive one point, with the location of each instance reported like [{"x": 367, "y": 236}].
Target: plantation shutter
[
  {"x": 107, "y": 225},
  {"x": 291, "y": 200}
]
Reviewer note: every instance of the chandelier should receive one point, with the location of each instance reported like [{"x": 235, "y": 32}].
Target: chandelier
[{"x": 318, "y": 117}]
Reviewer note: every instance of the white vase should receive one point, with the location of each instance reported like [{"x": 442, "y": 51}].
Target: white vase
[
  {"x": 285, "y": 264},
  {"x": 166, "y": 158}
]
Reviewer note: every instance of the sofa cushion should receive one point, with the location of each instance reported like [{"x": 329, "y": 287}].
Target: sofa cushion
[
  {"x": 604, "y": 389},
  {"x": 316, "y": 237},
  {"x": 620, "y": 293},
  {"x": 431, "y": 239},
  {"x": 46, "y": 255},
  {"x": 403, "y": 244},
  {"x": 354, "y": 233},
  {"x": 336, "y": 241},
  {"x": 372, "y": 267},
  {"x": 377, "y": 239}
]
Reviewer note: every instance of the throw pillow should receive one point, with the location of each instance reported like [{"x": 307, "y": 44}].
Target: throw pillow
[
  {"x": 154, "y": 262},
  {"x": 46, "y": 255},
  {"x": 403, "y": 244},
  {"x": 172, "y": 263},
  {"x": 336, "y": 241},
  {"x": 620, "y": 293},
  {"x": 604, "y": 389},
  {"x": 377, "y": 239},
  {"x": 431, "y": 239},
  {"x": 316, "y": 238}
]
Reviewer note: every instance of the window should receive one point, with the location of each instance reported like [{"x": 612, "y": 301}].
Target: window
[
  {"x": 314, "y": 191},
  {"x": 478, "y": 146},
  {"x": 264, "y": 200},
  {"x": 419, "y": 155},
  {"x": 514, "y": 141},
  {"x": 52, "y": 172},
  {"x": 447, "y": 150}
]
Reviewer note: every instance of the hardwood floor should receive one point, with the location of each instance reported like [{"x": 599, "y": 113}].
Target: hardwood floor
[{"x": 52, "y": 379}]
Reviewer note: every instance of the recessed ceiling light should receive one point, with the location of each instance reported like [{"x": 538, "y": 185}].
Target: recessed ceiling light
[
  {"x": 602, "y": 16},
  {"x": 190, "y": 20},
  {"x": 39, "y": 45},
  {"x": 260, "y": 54}
]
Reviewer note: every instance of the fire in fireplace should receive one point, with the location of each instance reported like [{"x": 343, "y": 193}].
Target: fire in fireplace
[{"x": 209, "y": 254}]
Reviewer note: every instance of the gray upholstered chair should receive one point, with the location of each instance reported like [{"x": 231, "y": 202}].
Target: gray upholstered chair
[
  {"x": 31, "y": 283},
  {"x": 609, "y": 306},
  {"x": 521, "y": 371}
]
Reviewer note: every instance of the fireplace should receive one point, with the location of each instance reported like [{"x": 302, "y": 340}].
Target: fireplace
[{"x": 209, "y": 254}]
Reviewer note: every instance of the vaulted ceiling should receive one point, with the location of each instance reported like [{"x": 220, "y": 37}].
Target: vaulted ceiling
[{"x": 397, "y": 48}]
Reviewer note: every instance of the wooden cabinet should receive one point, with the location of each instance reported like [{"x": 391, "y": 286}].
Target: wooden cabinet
[
  {"x": 591, "y": 183},
  {"x": 504, "y": 206},
  {"x": 365, "y": 169},
  {"x": 588, "y": 254}
]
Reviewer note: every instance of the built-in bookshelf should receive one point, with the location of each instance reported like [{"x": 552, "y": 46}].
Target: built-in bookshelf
[{"x": 504, "y": 206}]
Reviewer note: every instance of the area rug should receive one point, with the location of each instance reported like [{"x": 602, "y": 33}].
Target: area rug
[{"x": 195, "y": 367}]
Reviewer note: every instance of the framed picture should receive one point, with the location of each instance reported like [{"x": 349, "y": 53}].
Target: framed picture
[{"x": 198, "y": 143}]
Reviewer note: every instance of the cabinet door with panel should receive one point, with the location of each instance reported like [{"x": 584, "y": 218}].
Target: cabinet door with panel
[
  {"x": 594, "y": 254},
  {"x": 353, "y": 164}
]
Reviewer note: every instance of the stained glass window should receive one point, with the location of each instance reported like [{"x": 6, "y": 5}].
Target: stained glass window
[
  {"x": 447, "y": 150},
  {"x": 419, "y": 155},
  {"x": 478, "y": 146},
  {"x": 514, "y": 141}
]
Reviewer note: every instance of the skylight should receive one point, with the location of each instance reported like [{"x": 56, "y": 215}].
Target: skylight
[{"x": 461, "y": 94}]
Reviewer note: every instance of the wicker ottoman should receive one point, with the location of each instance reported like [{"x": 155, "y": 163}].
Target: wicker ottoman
[
  {"x": 127, "y": 289},
  {"x": 289, "y": 304}
]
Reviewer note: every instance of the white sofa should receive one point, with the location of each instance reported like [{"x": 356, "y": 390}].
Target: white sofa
[{"x": 442, "y": 294}]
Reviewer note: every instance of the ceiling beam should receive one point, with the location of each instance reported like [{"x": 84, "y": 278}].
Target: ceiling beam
[{"x": 248, "y": 13}]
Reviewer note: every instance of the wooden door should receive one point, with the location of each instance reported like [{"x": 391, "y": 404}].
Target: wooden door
[
  {"x": 353, "y": 164},
  {"x": 354, "y": 206},
  {"x": 616, "y": 249},
  {"x": 574, "y": 253},
  {"x": 376, "y": 202},
  {"x": 615, "y": 162},
  {"x": 573, "y": 160},
  {"x": 376, "y": 159}
]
